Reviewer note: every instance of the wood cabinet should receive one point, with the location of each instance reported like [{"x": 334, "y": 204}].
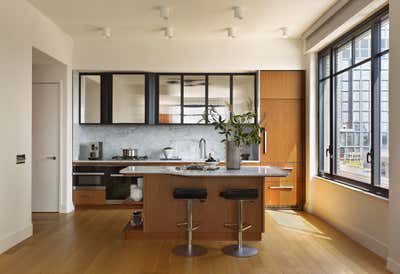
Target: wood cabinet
[
  {"x": 89, "y": 197},
  {"x": 282, "y": 108},
  {"x": 284, "y": 125}
]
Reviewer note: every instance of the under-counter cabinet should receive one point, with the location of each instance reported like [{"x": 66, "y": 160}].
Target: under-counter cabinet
[
  {"x": 282, "y": 108},
  {"x": 89, "y": 197}
]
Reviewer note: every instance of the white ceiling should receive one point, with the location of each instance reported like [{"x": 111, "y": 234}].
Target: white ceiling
[{"x": 191, "y": 19}]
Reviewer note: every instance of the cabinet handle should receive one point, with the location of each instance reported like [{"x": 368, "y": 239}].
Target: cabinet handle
[
  {"x": 88, "y": 173},
  {"x": 281, "y": 187},
  {"x": 265, "y": 142}
]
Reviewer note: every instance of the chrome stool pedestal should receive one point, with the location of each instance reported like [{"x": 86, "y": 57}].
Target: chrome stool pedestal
[
  {"x": 239, "y": 249},
  {"x": 189, "y": 249}
]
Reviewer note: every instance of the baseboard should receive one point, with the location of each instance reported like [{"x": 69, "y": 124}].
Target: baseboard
[
  {"x": 15, "y": 238},
  {"x": 393, "y": 266},
  {"x": 308, "y": 208},
  {"x": 365, "y": 239}
]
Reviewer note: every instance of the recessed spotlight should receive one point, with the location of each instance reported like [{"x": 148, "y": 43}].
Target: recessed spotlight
[
  {"x": 169, "y": 32},
  {"x": 232, "y": 32},
  {"x": 238, "y": 12},
  {"x": 284, "y": 32},
  {"x": 106, "y": 32},
  {"x": 164, "y": 12}
]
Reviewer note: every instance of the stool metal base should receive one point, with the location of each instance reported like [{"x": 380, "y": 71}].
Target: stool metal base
[
  {"x": 189, "y": 251},
  {"x": 244, "y": 251}
]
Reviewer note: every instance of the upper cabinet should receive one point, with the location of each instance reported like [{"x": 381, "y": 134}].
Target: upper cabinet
[
  {"x": 128, "y": 99},
  {"x": 112, "y": 98},
  {"x": 189, "y": 98},
  {"x": 282, "y": 84},
  {"x": 164, "y": 98},
  {"x": 90, "y": 99}
]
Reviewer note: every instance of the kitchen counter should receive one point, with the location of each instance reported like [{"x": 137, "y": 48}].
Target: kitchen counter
[
  {"x": 161, "y": 211},
  {"x": 245, "y": 171},
  {"x": 148, "y": 162}
]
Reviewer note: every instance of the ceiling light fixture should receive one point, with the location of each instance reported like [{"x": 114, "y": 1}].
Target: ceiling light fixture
[
  {"x": 106, "y": 32},
  {"x": 284, "y": 32},
  {"x": 232, "y": 32},
  {"x": 164, "y": 12},
  {"x": 238, "y": 13},
  {"x": 169, "y": 32}
]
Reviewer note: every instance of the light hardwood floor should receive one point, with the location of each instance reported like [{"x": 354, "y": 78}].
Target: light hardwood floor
[{"x": 91, "y": 241}]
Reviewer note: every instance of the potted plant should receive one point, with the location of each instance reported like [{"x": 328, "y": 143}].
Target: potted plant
[
  {"x": 168, "y": 152},
  {"x": 239, "y": 130}
]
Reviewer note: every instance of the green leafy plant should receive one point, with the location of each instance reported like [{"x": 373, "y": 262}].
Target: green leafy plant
[{"x": 239, "y": 128}]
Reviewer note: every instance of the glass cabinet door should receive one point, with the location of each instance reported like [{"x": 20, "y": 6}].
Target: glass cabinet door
[
  {"x": 219, "y": 95},
  {"x": 194, "y": 99},
  {"x": 169, "y": 94},
  {"x": 90, "y": 102},
  {"x": 243, "y": 94},
  {"x": 128, "y": 98}
]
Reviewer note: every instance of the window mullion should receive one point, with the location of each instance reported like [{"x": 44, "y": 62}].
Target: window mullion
[{"x": 332, "y": 143}]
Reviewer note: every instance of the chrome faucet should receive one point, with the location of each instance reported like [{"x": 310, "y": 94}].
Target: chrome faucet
[{"x": 202, "y": 146}]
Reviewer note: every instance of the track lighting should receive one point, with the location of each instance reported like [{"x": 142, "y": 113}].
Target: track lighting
[
  {"x": 164, "y": 12},
  {"x": 238, "y": 12},
  {"x": 106, "y": 32},
  {"x": 168, "y": 32},
  {"x": 232, "y": 32},
  {"x": 284, "y": 32}
]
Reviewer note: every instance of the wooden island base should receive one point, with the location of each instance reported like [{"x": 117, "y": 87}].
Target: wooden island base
[{"x": 161, "y": 211}]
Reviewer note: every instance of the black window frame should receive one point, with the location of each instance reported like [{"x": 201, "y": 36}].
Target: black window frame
[
  {"x": 206, "y": 75},
  {"x": 371, "y": 24}
]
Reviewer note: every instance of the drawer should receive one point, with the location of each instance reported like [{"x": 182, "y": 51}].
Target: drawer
[
  {"x": 283, "y": 191},
  {"x": 89, "y": 197}
]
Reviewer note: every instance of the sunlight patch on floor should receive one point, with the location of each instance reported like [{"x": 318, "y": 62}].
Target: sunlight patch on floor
[{"x": 289, "y": 219}]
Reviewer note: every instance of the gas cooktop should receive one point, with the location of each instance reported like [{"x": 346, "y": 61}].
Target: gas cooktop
[{"x": 133, "y": 158}]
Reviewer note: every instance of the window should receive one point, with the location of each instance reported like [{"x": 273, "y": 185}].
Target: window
[{"x": 354, "y": 107}]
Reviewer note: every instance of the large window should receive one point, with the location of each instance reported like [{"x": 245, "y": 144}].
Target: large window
[{"x": 353, "y": 107}]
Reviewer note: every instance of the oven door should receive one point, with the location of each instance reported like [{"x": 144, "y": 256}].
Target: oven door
[{"x": 88, "y": 180}]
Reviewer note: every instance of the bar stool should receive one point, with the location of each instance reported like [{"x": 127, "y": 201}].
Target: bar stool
[
  {"x": 240, "y": 195},
  {"x": 189, "y": 194}
]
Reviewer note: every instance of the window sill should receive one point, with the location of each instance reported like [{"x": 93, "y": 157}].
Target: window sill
[{"x": 352, "y": 188}]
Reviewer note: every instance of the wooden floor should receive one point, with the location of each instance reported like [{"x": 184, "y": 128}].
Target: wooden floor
[{"x": 90, "y": 241}]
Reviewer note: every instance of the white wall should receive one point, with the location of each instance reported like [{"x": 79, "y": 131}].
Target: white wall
[
  {"x": 21, "y": 28},
  {"x": 394, "y": 136},
  {"x": 188, "y": 55}
]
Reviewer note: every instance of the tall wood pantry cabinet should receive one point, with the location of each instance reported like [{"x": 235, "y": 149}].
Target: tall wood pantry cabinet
[{"x": 282, "y": 108}]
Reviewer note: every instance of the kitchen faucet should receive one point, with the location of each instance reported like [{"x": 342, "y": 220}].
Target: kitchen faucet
[{"x": 202, "y": 146}]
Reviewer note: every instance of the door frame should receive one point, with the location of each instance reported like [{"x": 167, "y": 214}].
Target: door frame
[{"x": 61, "y": 155}]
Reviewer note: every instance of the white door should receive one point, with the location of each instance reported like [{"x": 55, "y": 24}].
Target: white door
[{"x": 45, "y": 147}]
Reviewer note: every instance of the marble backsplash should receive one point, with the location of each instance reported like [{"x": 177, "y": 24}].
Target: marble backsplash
[{"x": 150, "y": 140}]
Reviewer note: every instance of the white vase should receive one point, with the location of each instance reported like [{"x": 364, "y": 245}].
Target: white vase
[
  {"x": 168, "y": 153},
  {"x": 136, "y": 193}
]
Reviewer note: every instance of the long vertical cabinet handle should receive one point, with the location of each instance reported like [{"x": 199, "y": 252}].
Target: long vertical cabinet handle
[{"x": 265, "y": 142}]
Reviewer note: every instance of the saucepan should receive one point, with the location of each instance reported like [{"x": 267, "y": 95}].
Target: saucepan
[{"x": 129, "y": 152}]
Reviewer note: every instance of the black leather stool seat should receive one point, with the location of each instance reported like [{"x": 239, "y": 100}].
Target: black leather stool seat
[
  {"x": 240, "y": 194},
  {"x": 190, "y": 193}
]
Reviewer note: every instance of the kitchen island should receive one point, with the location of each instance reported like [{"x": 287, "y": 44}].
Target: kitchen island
[{"x": 161, "y": 211}]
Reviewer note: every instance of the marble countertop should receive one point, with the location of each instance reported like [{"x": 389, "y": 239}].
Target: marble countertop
[
  {"x": 147, "y": 161},
  {"x": 244, "y": 171}
]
